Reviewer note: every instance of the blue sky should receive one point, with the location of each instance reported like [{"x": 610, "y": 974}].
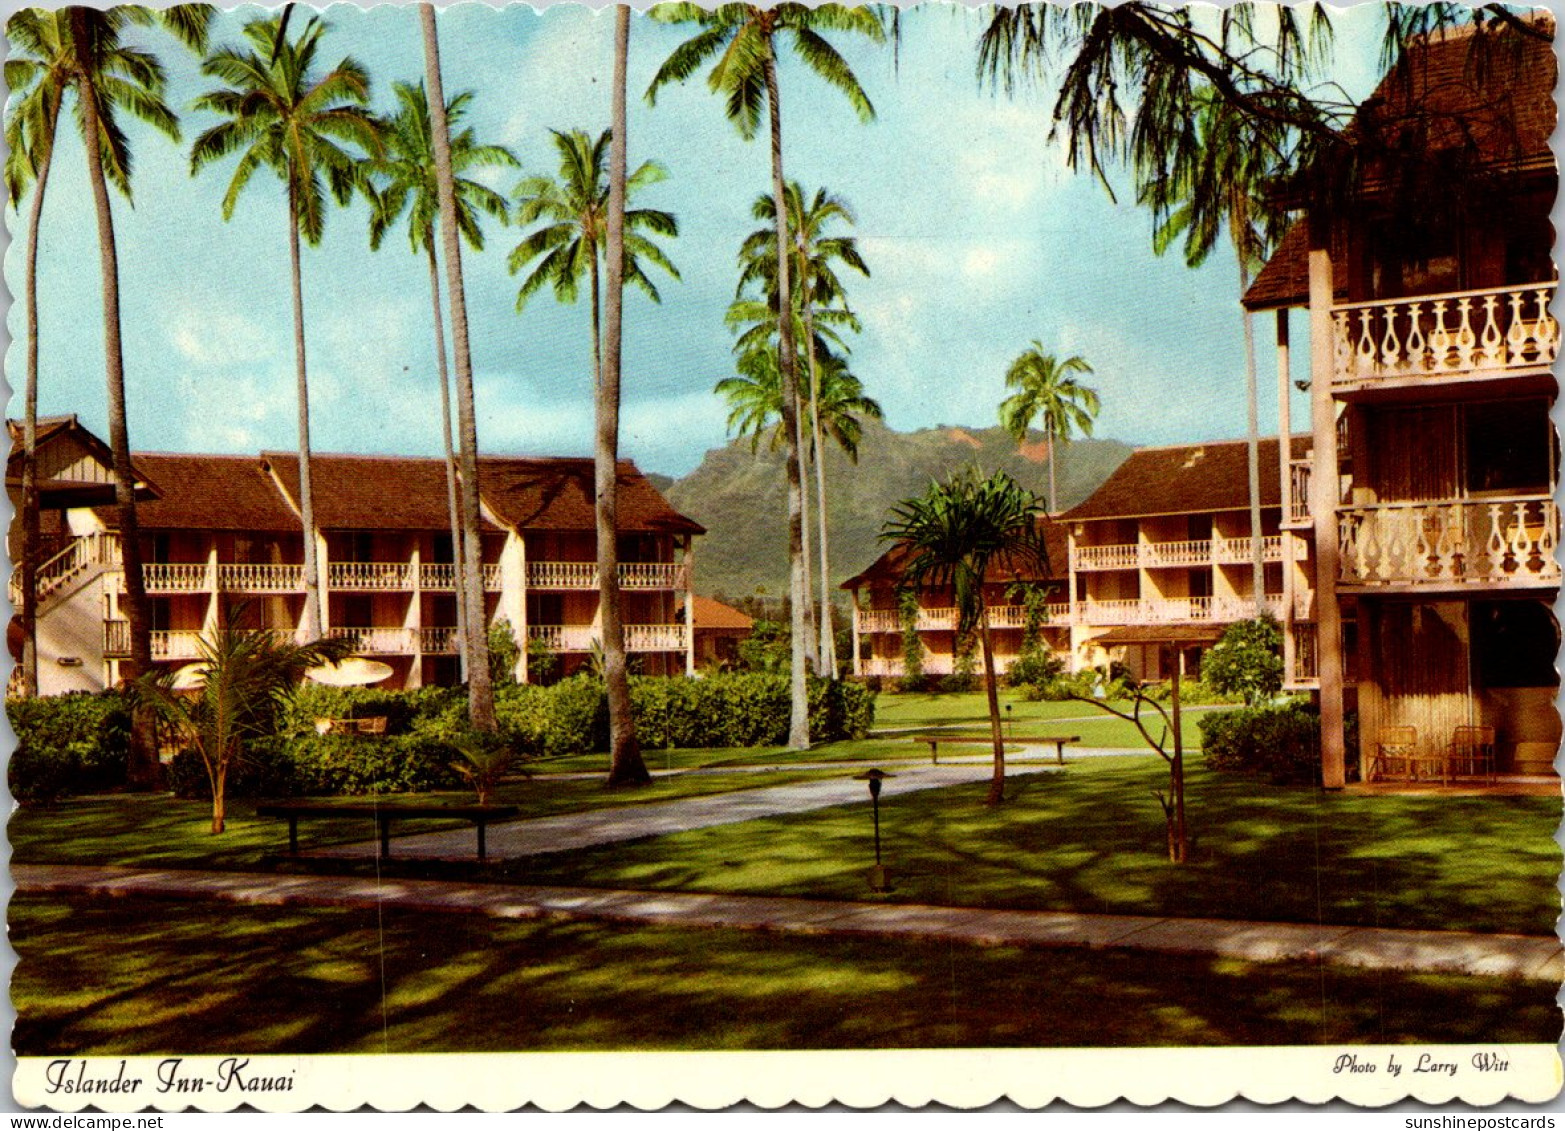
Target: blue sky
[{"x": 979, "y": 238}]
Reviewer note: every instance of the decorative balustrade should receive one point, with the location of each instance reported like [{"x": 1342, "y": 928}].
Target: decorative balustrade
[
  {"x": 1299, "y": 473},
  {"x": 1469, "y": 332},
  {"x": 936, "y": 620},
  {"x": 1174, "y": 610},
  {"x": 438, "y": 641},
  {"x": 174, "y": 577},
  {"x": 584, "y": 575},
  {"x": 260, "y": 577},
  {"x": 1106, "y": 557},
  {"x": 878, "y": 620},
  {"x": 638, "y": 637},
  {"x": 1493, "y": 542},
  {"x": 437, "y": 575},
  {"x": 1155, "y": 554},
  {"x": 370, "y": 575},
  {"x": 79, "y": 555},
  {"x": 491, "y": 577},
  {"x": 378, "y": 641},
  {"x": 1165, "y": 555},
  {"x": 1237, "y": 551},
  {"x": 176, "y": 644}
]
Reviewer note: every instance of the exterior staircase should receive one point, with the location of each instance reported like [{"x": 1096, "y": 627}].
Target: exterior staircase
[{"x": 83, "y": 559}]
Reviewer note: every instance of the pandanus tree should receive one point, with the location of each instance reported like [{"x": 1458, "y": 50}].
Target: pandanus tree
[
  {"x": 405, "y": 180},
  {"x": 742, "y": 39},
  {"x": 480, "y": 688},
  {"x": 82, "y": 50},
  {"x": 953, "y": 536},
  {"x": 1047, "y": 391},
  {"x": 313, "y": 132},
  {"x": 817, "y": 292}
]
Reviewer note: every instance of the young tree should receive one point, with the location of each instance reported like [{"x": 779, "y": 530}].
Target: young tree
[
  {"x": 953, "y": 535},
  {"x": 280, "y": 115},
  {"x": 743, "y": 37},
  {"x": 1046, "y": 391},
  {"x": 407, "y": 171},
  {"x": 1247, "y": 661},
  {"x": 243, "y": 676}
]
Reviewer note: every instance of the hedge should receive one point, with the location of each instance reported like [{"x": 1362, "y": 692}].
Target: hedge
[
  {"x": 67, "y": 744},
  {"x": 1282, "y": 742}
]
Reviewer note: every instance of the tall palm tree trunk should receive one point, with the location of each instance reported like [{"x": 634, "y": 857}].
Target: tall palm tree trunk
[
  {"x": 828, "y": 656},
  {"x": 799, "y": 715},
  {"x": 453, "y": 504},
  {"x": 31, "y": 524},
  {"x": 312, "y": 575},
  {"x": 991, "y": 692},
  {"x": 597, "y": 301},
  {"x": 480, "y": 690},
  {"x": 1253, "y": 443},
  {"x": 143, "y": 771},
  {"x": 1054, "y": 501},
  {"x": 625, "y": 764},
  {"x": 811, "y": 653}
]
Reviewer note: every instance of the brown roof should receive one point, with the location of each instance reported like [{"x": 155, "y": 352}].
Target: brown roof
[
  {"x": 1161, "y": 634},
  {"x": 59, "y": 493},
  {"x": 710, "y": 614},
  {"x": 206, "y": 492},
  {"x": 368, "y": 492},
  {"x": 1188, "y": 479},
  {"x": 1442, "y": 97},
  {"x": 889, "y": 567},
  {"x": 557, "y": 494}
]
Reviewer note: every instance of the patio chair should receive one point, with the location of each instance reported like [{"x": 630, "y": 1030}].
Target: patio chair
[
  {"x": 1472, "y": 751},
  {"x": 1396, "y": 753}
]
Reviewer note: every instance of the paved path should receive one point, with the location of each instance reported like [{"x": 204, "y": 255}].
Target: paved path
[
  {"x": 1515, "y": 956},
  {"x": 514, "y": 839}
]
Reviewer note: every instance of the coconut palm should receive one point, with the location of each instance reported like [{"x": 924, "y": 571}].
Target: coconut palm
[
  {"x": 305, "y": 127},
  {"x": 816, "y": 288},
  {"x": 754, "y": 397},
  {"x": 952, "y": 535},
  {"x": 405, "y": 178},
  {"x": 480, "y": 688},
  {"x": 108, "y": 77},
  {"x": 571, "y": 243},
  {"x": 625, "y": 763},
  {"x": 742, "y": 38},
  {"x": 241, "y": 678},
  {"x": 1047, "y": 391}
]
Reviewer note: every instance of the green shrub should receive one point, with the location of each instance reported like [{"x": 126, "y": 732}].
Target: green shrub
[
  {"x": 263, "y": 770},
  {"x": 400, "y": 709},
  {"x": 1036, "y": 667},
  {"x": 1247, "y": 661},
  {"x": 1281, "y": 743},
  {"x": 67, "y": 744}
]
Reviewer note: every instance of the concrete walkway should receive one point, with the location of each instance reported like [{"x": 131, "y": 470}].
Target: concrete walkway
[
  {"x": 514, "y": 839},
  {"x": 1513, "y": 956}
]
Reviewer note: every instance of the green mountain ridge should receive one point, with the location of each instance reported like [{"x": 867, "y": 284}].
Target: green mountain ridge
[{"x": 740, "y": 496}]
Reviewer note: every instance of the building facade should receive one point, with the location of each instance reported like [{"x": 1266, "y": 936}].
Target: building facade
[{"x": 222, "y": 543}]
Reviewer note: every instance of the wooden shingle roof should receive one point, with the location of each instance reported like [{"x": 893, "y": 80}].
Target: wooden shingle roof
[
  {"x": 558, "y": 494},
  {"x": 890, "y": 566},
  {"x": 352, "y": 492},
  {"x": 207, "y": 492},
  {"x": 1186, "y": 479}
]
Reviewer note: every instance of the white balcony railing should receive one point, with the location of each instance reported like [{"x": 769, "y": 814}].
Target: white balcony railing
[
  {"x": 1494, "y": 542},
  {"x": 378, "y": 641},
  {"x": 175, "y": 577},
  {"x": 260, "y": 578},
  {"x": 78, "y": 557},
  {"x": 491, "y": 578},
  {"x": 1165, "y": 555},
  {"x": 1174, "y": 610},
  {"x": 638, "y": 637},
  {"x": 1299, "y": 472},
  {"x": 584, "y": 575},
  {"x": 1106, "y": 557},
  {"x": 1488, "y": 332},
  {"x": 370, "y": 575},
  {"x": 1155, "y": 554},
  {"x": 176, "y": 644},
  {"x": 1236, "y": 551},
  {"x": 438, "y": 641},
  {"x": 437, "y": 575}
]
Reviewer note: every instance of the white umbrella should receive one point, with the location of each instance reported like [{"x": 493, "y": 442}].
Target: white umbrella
[
  {"x": 355, "y": 671},
  {"x": 191, "y": 677}
]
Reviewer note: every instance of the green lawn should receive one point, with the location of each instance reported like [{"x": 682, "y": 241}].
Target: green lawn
[
  {"x": 143, "y": 977},
  {"x": 898, "y": 711},
  {"x": 1091, "y": 839}
]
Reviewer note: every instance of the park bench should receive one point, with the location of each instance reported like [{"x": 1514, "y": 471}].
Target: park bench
[
  {"x": 385, "y": 814},
  {"x": 1013, "y": 742}
]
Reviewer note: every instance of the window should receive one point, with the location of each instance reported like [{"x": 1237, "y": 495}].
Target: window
[
  {"x": 1510, "y": 448},
  {"x": 1514, "y": 644}
]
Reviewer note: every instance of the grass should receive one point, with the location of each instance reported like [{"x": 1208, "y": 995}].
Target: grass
[
  {"x": 158, "y": 831},
  {"x": 143, "y": 977},
  {"x": 1091, "y": 839},
  {"x": 918, "y": 711}
]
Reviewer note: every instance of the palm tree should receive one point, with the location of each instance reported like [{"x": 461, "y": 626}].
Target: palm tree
[
  {"x": 743, "y": 37},
  {"x": 480, "y": 689},
  {"x": 754, "y": 398},
  {"x": 816, "y": 287},
  {"x": 952, "y": 535},
  {"x": 1224, "y": 184},
  {"x": 1046, "y": 390},
  {"x": 109, "y": 77},
  {"x": 572, "y": 242},
  {"x": 39, "y": 72},
  {"x": 625, "y": 763},
  {"x": 408, "y": 169},
  {"x": 242, "y": 674},
  {"x": 286, "y": 119}
]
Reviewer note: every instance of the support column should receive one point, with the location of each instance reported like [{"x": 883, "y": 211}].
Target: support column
[
  {"x": 690, "y": 604},
  {"x": 513, "y": 596},
  {"x": 413, "y": 619},
  {"x": 210, "y": 620},
  {"x": 858, "y": 664},
  {"x": 1285, "y": 490},
  {"x": 323, "y": 575},
  {"x": 1323, "y": 505}
]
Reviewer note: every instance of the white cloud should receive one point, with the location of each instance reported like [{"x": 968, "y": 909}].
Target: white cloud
[{"x": 219, "y": 337}]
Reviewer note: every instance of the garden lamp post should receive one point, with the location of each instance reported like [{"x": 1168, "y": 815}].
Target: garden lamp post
[{"x": 879, "y": 880}]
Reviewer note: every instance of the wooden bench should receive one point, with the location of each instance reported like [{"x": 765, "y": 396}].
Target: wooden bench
[
  {"x": 384, "y": 815},
  {"x": 1013, "y": 743}
]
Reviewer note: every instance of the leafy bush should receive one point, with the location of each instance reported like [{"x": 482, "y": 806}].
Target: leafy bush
[
  {"x": 504, "y": 654},
  {"x": 1035, "y": 667},
  {"x": 569, "y": 717},
  {"x": 1247, "y": 661},
  {"x": 67, "y": 744},
  {"x": 767, "y": 648},
  {"x": 1281, "y": 743},
  {"x": 400, "y": 709}
]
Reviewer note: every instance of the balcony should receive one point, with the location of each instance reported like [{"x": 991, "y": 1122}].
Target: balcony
[
  {"x": 260, "y": 578},
  {"x": 1174, "y": 610},
  {"x": 441, "y": 576},
  {"x": 378, "y": 641},
  {"x": 1174, "y": 555},
  {"x": 584, "y": 575},
  {"x": 1492, "y": 543},
  {"x": 584, "y": 637},
  {"x": 1431, "y": 338},
  {"x": 178, "y": 644},
  {"x": 1298, "y": 513},
  {"x": 438, "y": 641},
  {"x": 944, "y": 620},
  {"x": 381, "y": 576}
]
